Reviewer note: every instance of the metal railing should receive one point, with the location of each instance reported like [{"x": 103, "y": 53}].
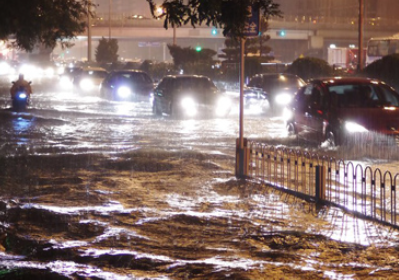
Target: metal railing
[
  {"x": 364, "y": 191},
  {"x": 288, "y": 21}
]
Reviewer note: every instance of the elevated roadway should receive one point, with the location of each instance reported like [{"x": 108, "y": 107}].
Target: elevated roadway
[{"x": 147, "y": 38}]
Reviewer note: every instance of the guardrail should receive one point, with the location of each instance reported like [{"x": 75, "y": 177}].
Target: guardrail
[
  {"x": 363, "y": 191},
  {"x": 288, "y": 21}
]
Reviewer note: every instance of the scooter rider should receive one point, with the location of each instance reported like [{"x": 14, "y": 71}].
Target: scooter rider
[{"x": 21, "y": 82}]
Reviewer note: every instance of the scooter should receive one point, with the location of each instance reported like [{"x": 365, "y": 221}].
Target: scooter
[{"x": 20, "y": 99}]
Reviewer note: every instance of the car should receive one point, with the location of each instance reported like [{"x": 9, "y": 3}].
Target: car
[
  {"x": 89, "y": 79},
  {"x": 255, "y": 100},
  {"x": 127, "y": 85},
  {"x": 189, "y": 96},
  {"x": 333, "y": 111},
  {"x": 67, "y": 77},
  {"x": 280, "y": 88}
]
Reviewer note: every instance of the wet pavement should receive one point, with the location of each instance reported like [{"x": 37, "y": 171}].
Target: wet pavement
[{"x": 93, "y": 189}]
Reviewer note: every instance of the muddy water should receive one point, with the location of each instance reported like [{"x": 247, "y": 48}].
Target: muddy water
[{"x": 92, "y": 189}]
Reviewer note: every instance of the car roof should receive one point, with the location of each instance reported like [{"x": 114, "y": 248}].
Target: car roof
[
  {"x": 346, "y": 80},
  {"x": 94, "y": 69},
  {"x": 276, "y": 75},
  {"x": 186, "y": 76},
  {"x": 128, "y": 71}
]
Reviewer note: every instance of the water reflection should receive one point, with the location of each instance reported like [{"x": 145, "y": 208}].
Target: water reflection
[{"x": 22, "y": 127}]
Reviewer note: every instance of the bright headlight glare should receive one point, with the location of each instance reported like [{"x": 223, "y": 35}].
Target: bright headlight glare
[
  {"x": 124, "y": 92},
  {"x": 4, "y": 68},
  {"x": 189, "y": 106},
  {"x": 49, "y": 72},
  {"x": 22, "y": 95},
  {"x": 283, "y": 98},
  {"x": 287, "y": 114},
  {"x": 223, "y": 105},
  {"x": 86, "y": 84},
  {"x": 188, "y": 103},
  {"x": 65, "y": 81},
  {"x": 354, "y": 127}
]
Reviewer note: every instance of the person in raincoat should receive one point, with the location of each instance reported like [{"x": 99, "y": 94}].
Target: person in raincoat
[{"x": 21, "y": 82}]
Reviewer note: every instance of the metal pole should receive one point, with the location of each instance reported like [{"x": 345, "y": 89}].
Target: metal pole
[
  {"x": 174, "y": 35},
  {"x": 88, "y": 32},
  {"x": 360, "y": 52},
  {"x": 242, "y": 78},
  {"x": 109, "y": 19}
]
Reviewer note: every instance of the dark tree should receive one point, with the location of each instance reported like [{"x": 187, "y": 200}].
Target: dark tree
[
  {"x": 107, "y": 51},
  {"x": 310, "y": 67},
  {"x": 183, "y": 56},
  {"x": 231, "y": 15},
  {"x": 191, "y": 61},
  {"x": 41, "y": 21},
  {"x": 386, "y": 69}
]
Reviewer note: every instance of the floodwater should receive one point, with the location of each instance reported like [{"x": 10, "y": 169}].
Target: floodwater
[{"x": 93, "y": 189}]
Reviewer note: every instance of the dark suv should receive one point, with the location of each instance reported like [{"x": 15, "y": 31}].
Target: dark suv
[
  {"x": 127, "y": 85},
  {"x": 189, "y": 96},
  {"x": 279, "y": 87}
]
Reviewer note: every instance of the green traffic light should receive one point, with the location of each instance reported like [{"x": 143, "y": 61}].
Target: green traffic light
[{"x": 198, "y": 48}]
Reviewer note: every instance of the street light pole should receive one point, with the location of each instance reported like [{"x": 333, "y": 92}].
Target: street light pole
[
  {"x": 109, "y": 19},
  {"x": 361, "y": 29},
  {"x": 88, "y": 32}
]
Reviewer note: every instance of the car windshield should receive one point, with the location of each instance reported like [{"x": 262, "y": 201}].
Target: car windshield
[
  {"x": 363, "y": 96},
  {"x": 281, "y": 81},
  {"x": 96, "y": 74},
  {"x": 140, "y": 78},
  {"x": 195, "y": 84}
]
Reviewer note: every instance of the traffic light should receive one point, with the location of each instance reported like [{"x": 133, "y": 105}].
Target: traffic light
[
  {"x": 198, "y": 48},
  {"x": 281, "y": 33},
  {"x": 214, "y": 32}
]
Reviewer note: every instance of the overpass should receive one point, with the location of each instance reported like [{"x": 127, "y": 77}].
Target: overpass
[{"x": 148, "y": 39}]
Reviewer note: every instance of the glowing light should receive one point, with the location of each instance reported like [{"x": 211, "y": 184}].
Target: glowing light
[{"x": 353, "y": 127}]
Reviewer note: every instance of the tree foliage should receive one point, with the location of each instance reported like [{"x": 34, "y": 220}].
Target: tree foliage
[
  {"x": 191, "y": 61},
  {"x": 310, "y": 67},
  {"x": 41, "y": 21},
  {"x": 231, "y": 15},
  {"x": 385, "y": 69},
  {"x": 183, "y": 56},
  {"x": 107, "y": 50}
]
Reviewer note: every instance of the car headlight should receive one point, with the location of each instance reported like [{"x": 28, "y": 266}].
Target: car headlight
[
  {"x": 4, "y": 68},
  {"x": 49, "y": 71},
  {"x": 223, "y": 106},
  {"x": 86, "y": 84},
  {"x": 65, "y": 81},
  {"x": 124, "y": 92},
  {"x": 283, "y": 98},
  {"x": 189, "y": 105},
  {"x": 22, "y": 95},
  {"x": 353, "y": 127}
]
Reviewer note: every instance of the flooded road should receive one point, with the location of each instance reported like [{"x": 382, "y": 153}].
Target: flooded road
[{"x": 93, "y": 189}]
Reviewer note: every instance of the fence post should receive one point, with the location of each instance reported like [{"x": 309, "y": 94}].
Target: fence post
[{"x": 320, "y": 183}]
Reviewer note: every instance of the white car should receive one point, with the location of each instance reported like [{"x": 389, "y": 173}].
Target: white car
[{"x": 89, "y": 79}]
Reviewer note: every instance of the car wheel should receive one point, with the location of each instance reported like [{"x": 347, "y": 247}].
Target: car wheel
[
  {"x": 155, "y": 109},
  {"x": 102, "y": 93},
  {"x": 291, "y": 129},
  {"x": 174, "y": 111},
  {"x": 330, "y": 140}
]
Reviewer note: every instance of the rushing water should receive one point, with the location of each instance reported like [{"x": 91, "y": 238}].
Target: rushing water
[{"x": 94, "y": 189}]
